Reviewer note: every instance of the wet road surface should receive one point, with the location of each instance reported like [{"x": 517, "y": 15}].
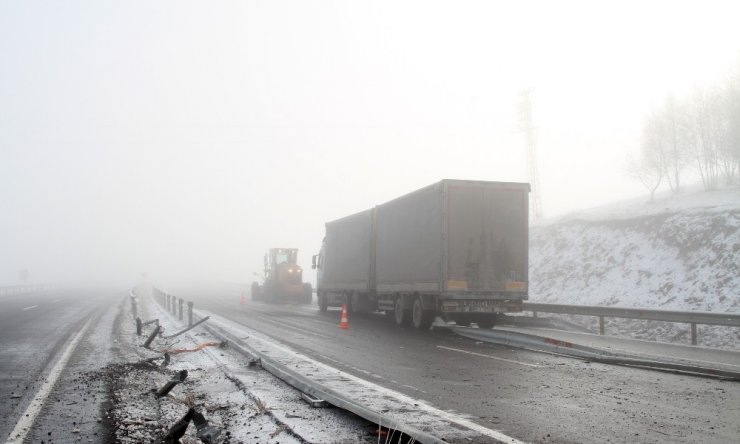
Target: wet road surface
[
  {"x": 530, "y": 396},
  {"x": 34, "y": 329}
]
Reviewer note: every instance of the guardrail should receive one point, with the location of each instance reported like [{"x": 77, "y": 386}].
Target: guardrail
[
  {"x": 173, "y": 304},
  {"x": 551, "y": 345},
  {"x": 685, "y": 317},
  {"x": 21, "y": 289}
]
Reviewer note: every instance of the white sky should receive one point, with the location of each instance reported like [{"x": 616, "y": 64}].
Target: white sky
[{"x": 185, "y": 138}]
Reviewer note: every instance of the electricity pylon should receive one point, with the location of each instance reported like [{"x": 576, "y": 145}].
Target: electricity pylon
[{"x": 530, "y": 145}]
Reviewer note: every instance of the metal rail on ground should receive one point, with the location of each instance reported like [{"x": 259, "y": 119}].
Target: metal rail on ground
[
  {"x": 307, "y": 385},
  {"x": 313, "y": 388},
  {"x": 686, "y": 317},
  {"x": 556, "y": 346}
]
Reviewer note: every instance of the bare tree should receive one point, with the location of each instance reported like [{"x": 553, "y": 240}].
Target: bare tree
[
  {"x": 704, "y": 129},
  {"x": 649, "y": 168},
  {"x": 732, "y": 148},
  {"x": 674, "y": 132},
  {"x": 734, "y": 132},
  {"x": 721, "y": 121}
]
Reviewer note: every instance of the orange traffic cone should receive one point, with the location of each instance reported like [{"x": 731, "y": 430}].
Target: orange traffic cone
[
  {"x": 243, "y": 299},
  {"x": 344, "y": 323}
]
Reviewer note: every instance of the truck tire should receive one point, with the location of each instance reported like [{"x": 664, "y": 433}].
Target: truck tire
[
  {"x": 355, "y": 303},
  {"x": 401, "y": 315},
  {"x": 307, "y": 293},
  {"x": 420, "y": 318},
  {"x": 323, "y": 303},
  {"x": 486, "y": 322},
  {"x": 255, "y": 291},
  {"x": 462, "y": 321},
  {"x": 268, "y": 295}
]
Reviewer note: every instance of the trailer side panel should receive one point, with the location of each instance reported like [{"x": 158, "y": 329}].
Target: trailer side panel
[{"x": 347, "y": 258}]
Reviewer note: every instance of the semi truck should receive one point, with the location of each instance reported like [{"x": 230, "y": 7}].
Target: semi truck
[{"x": 457, "y": 249}]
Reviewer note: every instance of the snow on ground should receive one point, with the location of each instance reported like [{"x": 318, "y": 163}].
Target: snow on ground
[
  {"x": 689, "y": 199},
  {"x": 245, "y": 403},
  {"x": 681, "y": 252}
]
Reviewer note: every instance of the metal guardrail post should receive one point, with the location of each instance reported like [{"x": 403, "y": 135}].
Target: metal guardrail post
[
  {"x": 167, "y": 302},
  {"x": 151, "y": 337},
  {"x": 601, "y": 325},
  {"x": 178, "y": 378},
  {"x": 693, "y": 333},
  {"x": 178, "y": 429},
  {"x": 179, "y": 303},
  {"x": 534, "y": 313},
  {"x": 190, "y": 314},
  {"x": 206, "y": 432},
  {"x": 138, "y": 326}
]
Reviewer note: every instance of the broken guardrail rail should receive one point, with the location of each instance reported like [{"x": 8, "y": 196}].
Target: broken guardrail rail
[{"x": 320, "y": 392}]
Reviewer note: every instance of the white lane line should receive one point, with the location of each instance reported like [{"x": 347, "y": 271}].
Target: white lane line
[
  {"x": 488, "y": 356},
  {"x": 29, "y": 308},
  {"x": 29, "y": 416}
]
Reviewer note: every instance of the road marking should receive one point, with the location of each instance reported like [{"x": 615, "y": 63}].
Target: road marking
[
  {"x": 488, "y": 356},
  {"x": 29, "y": 308},
  {"x": 34, "y": 408}
]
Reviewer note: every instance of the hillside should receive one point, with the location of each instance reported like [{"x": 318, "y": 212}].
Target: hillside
[{"x": 680, "y": 252}]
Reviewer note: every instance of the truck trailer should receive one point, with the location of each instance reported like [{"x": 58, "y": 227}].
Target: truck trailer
[{"x": 456, "y": 249}]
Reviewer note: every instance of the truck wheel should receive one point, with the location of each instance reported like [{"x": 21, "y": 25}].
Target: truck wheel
[
  {"x": 267, "y": 293},
  {"x": 486, "y": 323},
  {"x": 255, "y": 291},
  {"x": 323, "y": 303},
  {"x": 462, "y": 321},
  {"x": 355, "y": 303},
  {"x": 401, "y": 315},
  {"x": 422, "y": 319},
  {"x": 307, "y": 293}
]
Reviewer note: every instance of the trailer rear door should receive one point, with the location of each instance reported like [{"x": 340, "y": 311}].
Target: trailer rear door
[{"x": 487, "y": 229}]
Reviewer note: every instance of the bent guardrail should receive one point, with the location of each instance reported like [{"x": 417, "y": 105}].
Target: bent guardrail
[{"x": 685, "y": 317}]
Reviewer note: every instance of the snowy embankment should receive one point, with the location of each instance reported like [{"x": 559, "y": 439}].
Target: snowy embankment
[{"x": 678, "y": 253}]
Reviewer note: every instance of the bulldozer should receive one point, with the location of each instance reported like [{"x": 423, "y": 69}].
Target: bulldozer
[{"x": 282, "y": 279}]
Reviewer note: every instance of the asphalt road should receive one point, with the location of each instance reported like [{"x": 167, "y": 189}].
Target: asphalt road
[
  {"x": 34, "y": 329},
  {"x": 531, "y": 396}
]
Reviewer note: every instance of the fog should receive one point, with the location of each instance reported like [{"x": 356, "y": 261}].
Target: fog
[{"x": 184, "y": 139}]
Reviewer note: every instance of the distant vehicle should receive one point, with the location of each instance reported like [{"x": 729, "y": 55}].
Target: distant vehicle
[
  {"x": 283, "y": 278},
  {"x": 457, "y": 249}
]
